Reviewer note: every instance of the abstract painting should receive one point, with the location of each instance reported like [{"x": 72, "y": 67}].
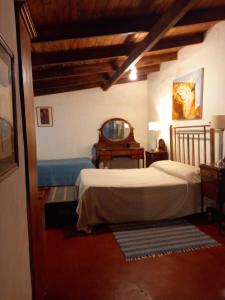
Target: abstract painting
[{"x": 187, "y": 96}]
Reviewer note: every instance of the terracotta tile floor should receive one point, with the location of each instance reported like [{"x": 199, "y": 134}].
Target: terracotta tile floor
[{"x": 91, "y": 267}]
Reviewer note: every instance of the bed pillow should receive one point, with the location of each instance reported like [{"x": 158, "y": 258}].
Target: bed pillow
[{"x": 189, "y": 173}]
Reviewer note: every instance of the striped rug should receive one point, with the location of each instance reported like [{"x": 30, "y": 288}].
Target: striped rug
[{"x": 143, "y": 239}]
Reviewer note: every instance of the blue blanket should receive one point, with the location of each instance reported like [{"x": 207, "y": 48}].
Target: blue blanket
[{"x": 61, "y": 171}]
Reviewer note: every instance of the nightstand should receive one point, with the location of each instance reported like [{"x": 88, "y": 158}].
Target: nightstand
[
  {"x": 155, "y": 155},
  {"x": 213, "y": 187}
]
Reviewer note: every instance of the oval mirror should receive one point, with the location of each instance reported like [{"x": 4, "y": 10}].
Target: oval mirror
[{"x": 116, "y": 130}]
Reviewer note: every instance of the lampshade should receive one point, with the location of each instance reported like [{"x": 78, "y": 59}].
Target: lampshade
[
  {"x": 154, "y": 126},
  {"x": 218, "y": 121}
]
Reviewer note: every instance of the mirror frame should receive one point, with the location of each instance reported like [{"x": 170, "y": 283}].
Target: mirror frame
[
  {"x": 111, "y": 120},
  {"x": 128, "y": 139}
]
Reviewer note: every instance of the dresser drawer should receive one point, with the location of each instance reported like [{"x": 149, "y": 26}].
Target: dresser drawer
[
  {"x": 209, "y": 175},
  {"x": 104, "y": 152},
  {"x": 138, "y": 152},
  {"x": 213, "y": 187},
  {"x": 210, "y": 189},
  {"x": 210, "y": 179},
  {"x": 121, "y": 152},
  {"x": 137, "y": 156},
  {"x": 104, "y": 155},
  {"x": 152, "y": 156},
  {"x": 155, "y": 157}
]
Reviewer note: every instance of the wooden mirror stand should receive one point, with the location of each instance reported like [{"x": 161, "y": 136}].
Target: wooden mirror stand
[{"x": 107, "y": 149}]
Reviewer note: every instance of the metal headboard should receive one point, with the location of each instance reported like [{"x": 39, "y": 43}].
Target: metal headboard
[{"x": 192, "y": 144}]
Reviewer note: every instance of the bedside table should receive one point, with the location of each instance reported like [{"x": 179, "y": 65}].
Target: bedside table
[
  {"x": 213, "y": 187},
  {"x": 155, "y": 155}
]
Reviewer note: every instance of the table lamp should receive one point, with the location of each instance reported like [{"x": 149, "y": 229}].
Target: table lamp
[
  {"x": 218, "y": 122},
  {"x": 155, "y": 126}
]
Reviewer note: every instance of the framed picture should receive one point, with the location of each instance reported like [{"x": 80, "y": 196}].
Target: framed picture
[
  {"x": 8, "y": 128},
  {"x": 44, "y": 116},
  {"x": 187, "y": 96}
]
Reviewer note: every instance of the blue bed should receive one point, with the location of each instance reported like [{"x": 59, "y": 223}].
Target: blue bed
[{"x": 60, "y": 172}]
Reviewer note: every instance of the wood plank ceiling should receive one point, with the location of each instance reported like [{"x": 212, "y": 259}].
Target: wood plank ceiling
[{"x": 84, "y": 44}]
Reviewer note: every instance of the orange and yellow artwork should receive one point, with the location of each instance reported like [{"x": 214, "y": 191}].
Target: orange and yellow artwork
[{"x": 187, "y": 96}]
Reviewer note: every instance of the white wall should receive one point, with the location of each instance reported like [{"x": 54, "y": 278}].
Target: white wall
[
  {"x": 209, "y": 55},
  {"x": 15, "y": 279},
  {"x": 78, "y": 115}
]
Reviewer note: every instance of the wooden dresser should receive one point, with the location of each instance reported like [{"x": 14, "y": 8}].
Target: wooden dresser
[
  {"x": 153, "y": 155},
  {"x": 112, "y": 143},
  {"x": 107, "y": 154},
  {"x": 213, "y": 187}
]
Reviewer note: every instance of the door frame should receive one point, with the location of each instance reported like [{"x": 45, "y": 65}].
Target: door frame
[{"x": 25, "y": 33}]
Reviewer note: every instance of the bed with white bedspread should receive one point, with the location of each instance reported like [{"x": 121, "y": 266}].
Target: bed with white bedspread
[{"x": 165, "y": 190}]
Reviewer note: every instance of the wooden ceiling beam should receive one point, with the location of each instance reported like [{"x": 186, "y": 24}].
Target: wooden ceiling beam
[
  {"x": 80, "y": 71},
  {"x": 57, "y": 58},
  {"x": 127, "y": 80},
  {"x": 167, "y": 21},
  {"x": 51, "y": 83},
  {"x": 122, "y": 26},
  {"x": 57, "y": 72},
  {"x": 45, "y": 83},
  {"x": 156, "y": 59},
  {"x": 80, "y": 86},
  {"x": 207, "y": 15},
  {"x": 178, "y": 42},
  {"x": 64, "y": 89},
  {"x": 80, "y": 55},
  {"x": 147, "y": 69}
]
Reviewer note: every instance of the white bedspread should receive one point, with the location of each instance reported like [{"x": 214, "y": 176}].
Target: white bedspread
[{"x": 113, "y": 196}]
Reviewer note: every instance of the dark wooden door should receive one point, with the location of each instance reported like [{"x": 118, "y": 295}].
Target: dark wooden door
[{"x": 25, "y": 32}]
